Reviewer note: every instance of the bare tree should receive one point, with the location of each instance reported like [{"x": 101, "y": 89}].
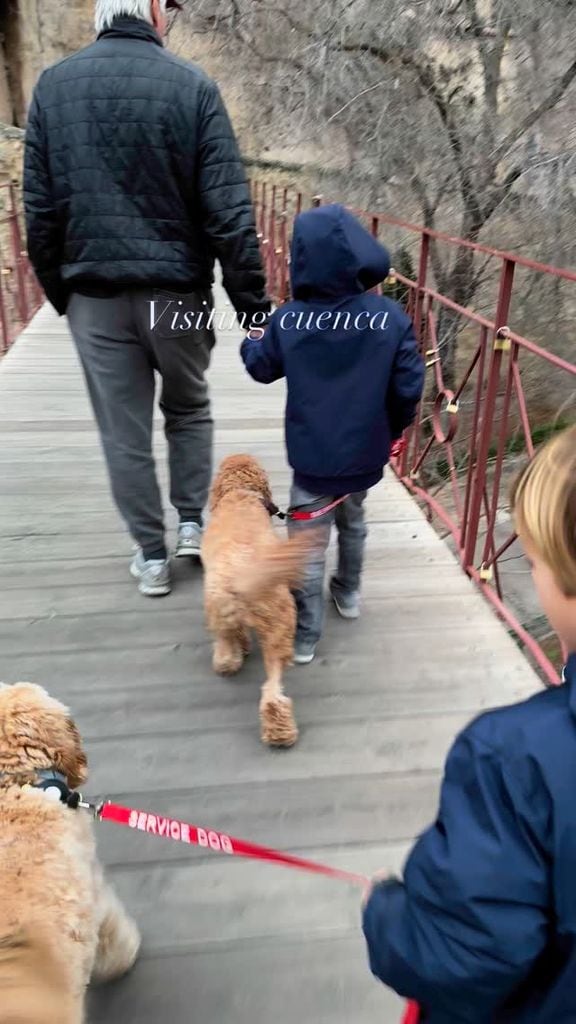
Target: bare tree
[{"x": 463, "y": 100}]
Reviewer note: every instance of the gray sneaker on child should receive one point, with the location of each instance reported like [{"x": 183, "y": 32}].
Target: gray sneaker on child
[
  {"x": 304, "y": 653},
  {"x": 347, "y": 602}
]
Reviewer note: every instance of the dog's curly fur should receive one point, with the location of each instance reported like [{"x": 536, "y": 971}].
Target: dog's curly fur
[
  {"x": 248, "y": 575},
  {"x": 60, "y": 924}
]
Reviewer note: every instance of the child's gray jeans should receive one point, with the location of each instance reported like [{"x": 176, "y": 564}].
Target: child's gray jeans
[{"x": 351, "y": 527}]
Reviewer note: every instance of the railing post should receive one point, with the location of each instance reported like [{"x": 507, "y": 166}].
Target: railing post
[
  {"x": 5, "y": 339},
  {"x": 421, "y": 283},
  {"x": 18, "y": 257},
  {"x": 283, "y": 248},
  {"x": 262, "y": 224},
  {"x": 271, "y": 267},
  {"x": 488, "y": 414},
  {"x": 375, "y": 231}
]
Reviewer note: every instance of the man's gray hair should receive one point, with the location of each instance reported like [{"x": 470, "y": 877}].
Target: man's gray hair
[{"x": 107, "y": 10}]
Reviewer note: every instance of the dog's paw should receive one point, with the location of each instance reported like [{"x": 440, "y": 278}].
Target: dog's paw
[
  {"x": 118, "y": 948},
  {"x": 277, "y": 723},
  {"x": 227, "y": 664}
]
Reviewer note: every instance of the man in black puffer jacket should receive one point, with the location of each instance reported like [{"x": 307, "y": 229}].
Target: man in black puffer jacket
[{"x": 134, "y": 186}]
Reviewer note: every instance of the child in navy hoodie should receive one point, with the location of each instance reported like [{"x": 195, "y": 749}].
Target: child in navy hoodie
[
  {"x": 483, "y": 928},
  {"x": 354, "y": 377}
]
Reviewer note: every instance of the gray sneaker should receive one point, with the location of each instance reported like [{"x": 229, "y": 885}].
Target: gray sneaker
[
  {"x": 153, "y": 576},
  {"x": 189, "y": 541},
  {"x": 304, "y": 653},
  {"x": 347, "y": 605}
]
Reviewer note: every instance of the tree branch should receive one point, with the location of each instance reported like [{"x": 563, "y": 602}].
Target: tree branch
[
  {"x": 548, "y": 103},
  {"x": 425, "y": 77}
]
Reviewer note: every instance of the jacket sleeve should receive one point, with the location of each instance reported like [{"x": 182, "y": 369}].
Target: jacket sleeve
[
  {"x": 263, "y": 359},
  {"x": 44, "y": 234},
  {"x": 226, "y": 207},
  {"x": 471, "y": 918},
  {"x": 406, "y": 383}
]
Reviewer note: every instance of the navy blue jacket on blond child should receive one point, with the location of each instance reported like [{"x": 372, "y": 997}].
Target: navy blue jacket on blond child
[
  {"x": 349, "y": 356},
  {"x": 483, "y": 928}
]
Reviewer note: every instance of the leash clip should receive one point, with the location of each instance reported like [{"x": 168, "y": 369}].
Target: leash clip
[{"x": 77, "y": 802}]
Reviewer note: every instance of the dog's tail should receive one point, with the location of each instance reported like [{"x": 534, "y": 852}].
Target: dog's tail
[
  {"x": 34, "y": 981},
  {"x": 282, "y": 564}
]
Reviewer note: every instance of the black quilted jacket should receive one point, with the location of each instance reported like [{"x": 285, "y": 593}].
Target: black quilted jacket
[{"x": 133, "y": 175}]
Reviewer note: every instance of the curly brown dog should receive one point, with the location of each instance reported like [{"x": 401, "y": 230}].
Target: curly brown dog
[
  {"x": 60, "y": 924},
  {"x": 248, "y": 575}
]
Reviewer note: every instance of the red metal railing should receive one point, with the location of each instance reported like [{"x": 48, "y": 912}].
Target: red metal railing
[
  {"x": 465, "y": 445},
  {"x": 20, "y": 293}
]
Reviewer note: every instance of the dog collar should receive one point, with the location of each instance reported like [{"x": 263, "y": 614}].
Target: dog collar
[
  {"x": 54, "y": 785},
  {"x": 51, "y": 782}
]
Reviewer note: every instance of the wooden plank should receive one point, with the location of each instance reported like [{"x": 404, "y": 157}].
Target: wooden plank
[{"x": 320, "y": 981}]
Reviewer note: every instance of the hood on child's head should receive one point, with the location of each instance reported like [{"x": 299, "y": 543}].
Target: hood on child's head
[{"x": 333, "y": 256}]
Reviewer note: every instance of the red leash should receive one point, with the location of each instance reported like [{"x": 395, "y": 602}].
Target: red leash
[
  {"x": 218, "y": 842},
  {"x": 298, "y": 516},
  {"x": 301, "y": 515},
  {"x": 412, "y": 1015}
]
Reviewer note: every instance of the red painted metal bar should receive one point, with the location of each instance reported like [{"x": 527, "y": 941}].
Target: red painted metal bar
[
  {"x": 492, "y": 511},
  {"x": 482, "y": 350},
  {"x": 271, "y": 263},
  {"x": 502, "y": 549},
  {"x": 20, "y": 293},
  {"x": 489, "y": 410},
  {"x": 5, "y": 337},
  {"x": 500, "y": 254}
]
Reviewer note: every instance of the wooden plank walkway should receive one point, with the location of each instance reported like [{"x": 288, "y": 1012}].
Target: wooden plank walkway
[{"x": 228, "y": 941}]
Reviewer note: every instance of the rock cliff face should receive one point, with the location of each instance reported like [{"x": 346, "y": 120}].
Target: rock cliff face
[{"x": 35, "y": 33}]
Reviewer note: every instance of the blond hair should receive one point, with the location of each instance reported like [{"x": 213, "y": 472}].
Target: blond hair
[{"x": 544, "y": 506}]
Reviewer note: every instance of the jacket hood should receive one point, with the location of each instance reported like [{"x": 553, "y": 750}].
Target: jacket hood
[{"x": 333, "y": 256}]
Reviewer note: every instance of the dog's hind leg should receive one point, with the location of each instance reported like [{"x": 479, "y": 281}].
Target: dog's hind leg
[
  {"x": 229, "y": 653},
  {"x": 277, "y": 722},
  {"x": 118, "y": 938}
]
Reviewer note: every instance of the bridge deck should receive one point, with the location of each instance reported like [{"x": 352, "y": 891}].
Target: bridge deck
[{"x": 231, "y": 941}]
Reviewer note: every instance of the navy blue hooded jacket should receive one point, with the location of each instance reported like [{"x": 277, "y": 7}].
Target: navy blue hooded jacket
[
  {"x": 483, "y": 930},
  {"x": 350, "y": 358}
]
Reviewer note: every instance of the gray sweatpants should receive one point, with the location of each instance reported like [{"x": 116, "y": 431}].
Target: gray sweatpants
[
  {"x": 352, "y": 531},
  {"x": 120, "y": 353}
]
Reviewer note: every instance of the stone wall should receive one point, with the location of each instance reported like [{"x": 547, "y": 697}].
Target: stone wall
[{"x": 36, "y": 33}]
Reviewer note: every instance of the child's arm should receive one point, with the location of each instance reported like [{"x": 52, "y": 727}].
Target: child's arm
[
  {"x": 263, "y": 356},
  {"x": 472, "y": 916},
  {"x": 406, "y": 382}
]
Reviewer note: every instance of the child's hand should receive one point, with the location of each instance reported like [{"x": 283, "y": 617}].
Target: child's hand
[
  {"x": 256, "y": 333},
  {"x": 397, "y": 448},
  {"x": 381, "y": 876}
]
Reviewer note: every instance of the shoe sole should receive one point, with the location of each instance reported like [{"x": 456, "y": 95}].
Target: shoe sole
[
  {"x": 154, "y": 591},
  {"x": 188, "y": 554},
  {"x": 346, "y": 613},
  {"x": 160, "y": 591},
  {"x": 305, "y": 660}
]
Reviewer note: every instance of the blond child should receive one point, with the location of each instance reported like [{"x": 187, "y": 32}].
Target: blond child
[{"x": 483, "y": 928}]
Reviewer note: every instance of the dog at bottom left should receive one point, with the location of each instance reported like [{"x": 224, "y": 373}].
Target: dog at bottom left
[{"x": 61, "y": 925}]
